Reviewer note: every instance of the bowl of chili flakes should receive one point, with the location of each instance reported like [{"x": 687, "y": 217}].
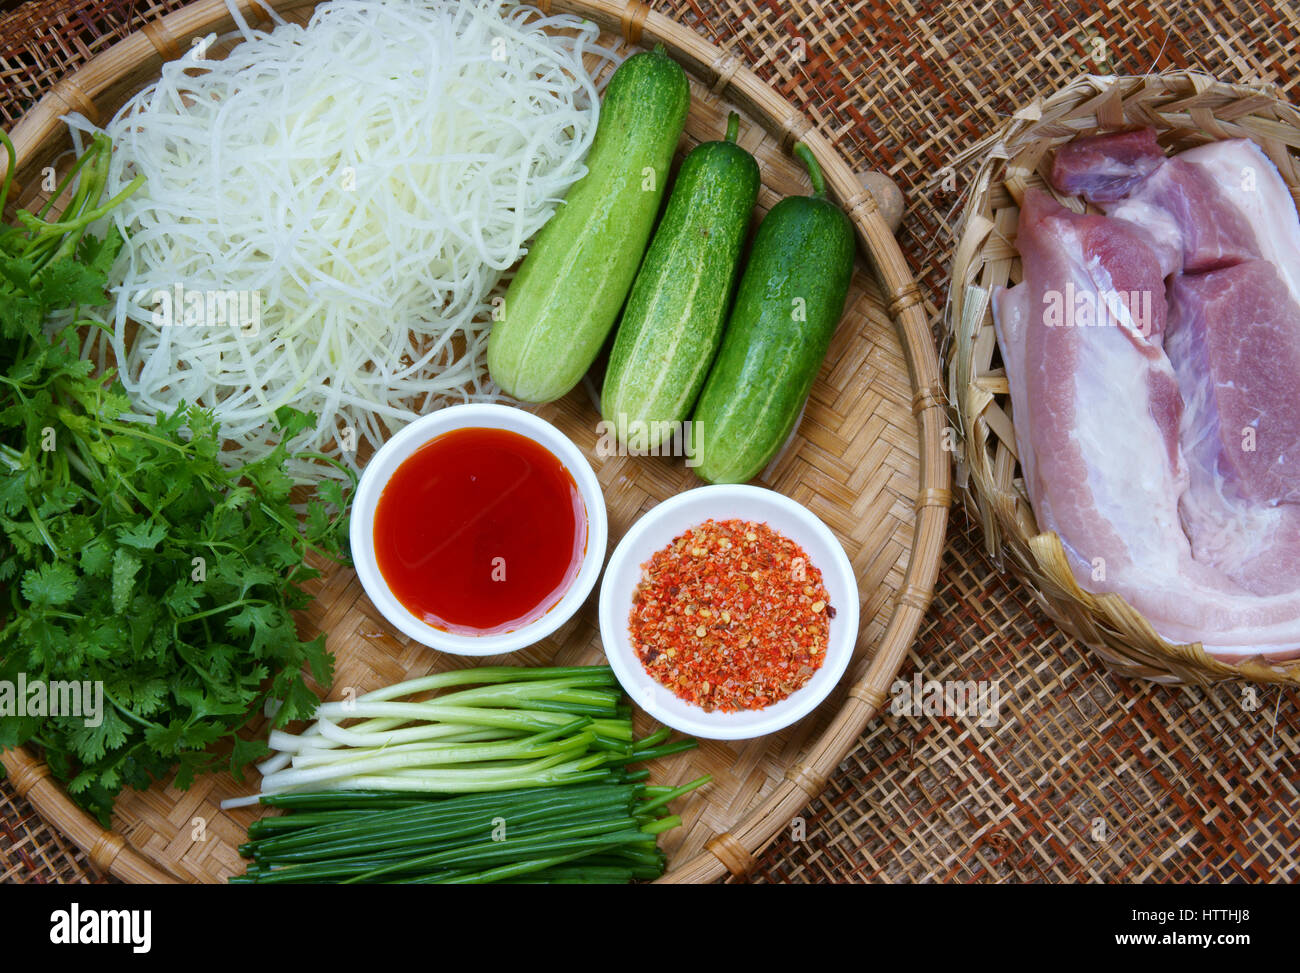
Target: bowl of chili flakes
[{"x": 729, "y": 612}]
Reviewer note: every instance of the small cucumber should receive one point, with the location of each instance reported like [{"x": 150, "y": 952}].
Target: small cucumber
[
  {"x": 561, "y": 305},
  {"x": 790, "y": 299},
  {"x": 673, "y": 321}
]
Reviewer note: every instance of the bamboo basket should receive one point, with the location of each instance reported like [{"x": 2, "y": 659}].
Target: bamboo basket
[
  {"x": 1187, "y": 109},
  {"x": 868, "y": 459}
]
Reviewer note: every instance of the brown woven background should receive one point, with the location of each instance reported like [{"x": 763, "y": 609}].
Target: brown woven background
[{"x": 1085, "y": 777}]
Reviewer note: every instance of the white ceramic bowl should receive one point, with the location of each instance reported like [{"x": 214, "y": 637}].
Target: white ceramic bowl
[
  {"x": 654, "y": 531},
  {"x": 389, "y": 456}
]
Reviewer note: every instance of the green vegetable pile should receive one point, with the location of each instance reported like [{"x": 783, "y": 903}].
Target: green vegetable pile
[
  {"x": 537, "y": 760},
  {"x": 578, "y": 833},
  {"x": 128, "y": 553}
]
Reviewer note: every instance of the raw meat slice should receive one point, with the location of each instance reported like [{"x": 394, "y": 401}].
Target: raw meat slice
[
  {"x": 1234, "y": 342},
  {"x": 1077, "y": 449},
  {"x": 1101, "y": 168},
  {"x": 1237, "y": 354}
]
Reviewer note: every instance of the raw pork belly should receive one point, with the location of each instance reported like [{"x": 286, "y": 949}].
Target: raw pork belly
[{"x": 1132, "y": 430}]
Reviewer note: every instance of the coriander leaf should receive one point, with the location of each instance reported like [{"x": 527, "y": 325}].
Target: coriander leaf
[
  {"x": 13, "y": 491},
  {"x": 69, "y": 283},
  {"x": 113, "y": 402},
  {"x": 90, "y": 743},
  {"x": 249, "y": 619},
  {"x": 17, "y": 730},
  {"x": 125, "y": 567},
  {"x": 97, "y": 557},
  {"x": 203, "y": 432},
  {"x": 272, "y": 481},
  {"x": 98, "y": 254},
  {"x": 203, "y": 705},
  {"x": 144, "y": 536},
  {"x": 292, "y": 421},
  {"x": 244, "y": 753},
  {"x": 299, "y": 703},
  {"x": 320, "y": 660},
  {"x": 318, "y": 520},
  {"x": 331, "y": 491},
  {"x": 51, "y": 585},
  {"x": 23, "y": 535},
  {"x": 142, "y": 697},
  {"x": 188, "y": 765},
  {"x": 254, "y": 575},
  {"x": 183, "y": 597},
  {"x": 167, "y": 738},
  {"x": 199, "y": 736}
]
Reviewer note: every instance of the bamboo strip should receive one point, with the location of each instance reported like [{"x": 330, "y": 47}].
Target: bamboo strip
[{"x": 109, "y": 852}]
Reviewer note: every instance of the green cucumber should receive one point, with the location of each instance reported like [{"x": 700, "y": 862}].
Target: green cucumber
[
  {"x": 563, "y": 302},
  {"x": 790, "y": 299},
  {"x": 675, "y": 315}
]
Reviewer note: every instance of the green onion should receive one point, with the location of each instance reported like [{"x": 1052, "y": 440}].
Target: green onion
[{"x": 479, "y": 775}]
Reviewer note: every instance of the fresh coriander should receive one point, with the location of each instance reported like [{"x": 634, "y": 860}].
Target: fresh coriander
[{"x": 129, "y": 554}]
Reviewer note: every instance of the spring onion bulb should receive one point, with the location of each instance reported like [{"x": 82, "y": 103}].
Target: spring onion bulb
[
  {"x": 352, "y": 192},
  {"x": 466, "y": 731}
]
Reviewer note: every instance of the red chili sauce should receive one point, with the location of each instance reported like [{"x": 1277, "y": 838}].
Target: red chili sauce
[{"x": 480, "y": 531}]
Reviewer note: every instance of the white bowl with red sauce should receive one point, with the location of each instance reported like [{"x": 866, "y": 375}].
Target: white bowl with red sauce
[
  {"x": 655, "y": 532},
  {"x": 478, "y": 529}
]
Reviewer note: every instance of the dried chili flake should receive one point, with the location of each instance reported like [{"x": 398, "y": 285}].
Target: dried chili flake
[{"x": 731, "y": 616}]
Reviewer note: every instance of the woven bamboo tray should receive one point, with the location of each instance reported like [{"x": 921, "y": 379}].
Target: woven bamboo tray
[
  {"x": 1186, "y": 108},
  {"x": 867, "y": 459}
]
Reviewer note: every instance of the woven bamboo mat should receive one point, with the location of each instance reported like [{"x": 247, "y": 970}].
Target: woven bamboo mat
[{"x": 1084, "y": 777}]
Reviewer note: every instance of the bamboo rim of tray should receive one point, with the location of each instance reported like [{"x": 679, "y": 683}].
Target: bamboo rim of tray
[
  {"x": 1186, "y": 108},
  {"x": 112, "y": 75}
]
